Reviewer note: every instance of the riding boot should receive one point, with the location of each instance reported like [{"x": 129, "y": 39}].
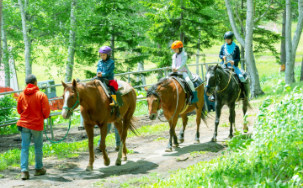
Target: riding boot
[
  {"x": 195, "y": 98},
  {"x": 114, "y": 100}
]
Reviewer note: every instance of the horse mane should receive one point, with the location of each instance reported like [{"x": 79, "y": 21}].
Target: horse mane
[{"x": 153, "y": 89}]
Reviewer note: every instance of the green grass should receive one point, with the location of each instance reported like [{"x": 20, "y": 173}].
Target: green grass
[
  {"x": 11, "y": 158},
  {"x": 142, "y": 181},
  {"x": 271, "y": 157}
]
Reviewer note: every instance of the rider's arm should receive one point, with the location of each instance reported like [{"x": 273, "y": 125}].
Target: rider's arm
[
  {"x": 221, "y": 53},
  {"x": 184, "y": 60},
  {"x": 237, "y": 56},
  {"x": 173, "y": 66},
  {"x": 99, "y": 67}
]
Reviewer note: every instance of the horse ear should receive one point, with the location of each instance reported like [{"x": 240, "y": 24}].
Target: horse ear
[
  {"x": 74, "y": 83},
  {"x": 145, "y": 88},
  {"x": 64, "y": 84}
]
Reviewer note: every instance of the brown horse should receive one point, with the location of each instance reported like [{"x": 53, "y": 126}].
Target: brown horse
[
  {"x": 96, "y": 110},
  {"x": 170, "y": 96}
]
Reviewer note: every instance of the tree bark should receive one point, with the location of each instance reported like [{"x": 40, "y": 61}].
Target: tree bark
[
  {"x": 141, "y": 67},
  {"x": 26, "y": 38},
  {"x": 301, "y": 76},
  {"x": 283, "y": 52},
  {"x": 198, "y": 54},
  {"x": 298, "y": 32},
  {"x": 5, "y": 54},
  {"x": 182, "y": 33},
  {"x": 72, "y": 44},
  {"x": 248, "y": 45},
  {"x": 1, "y": 7},
  {"x": 112, "y": 44},
  {"x": 289, "y": 72}
]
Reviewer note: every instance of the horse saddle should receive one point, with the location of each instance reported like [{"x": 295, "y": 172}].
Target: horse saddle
[
  {"x": 197, "y": 81},
  {"x": 245, "y": 86}
]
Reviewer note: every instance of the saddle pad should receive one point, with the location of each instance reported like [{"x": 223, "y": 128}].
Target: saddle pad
[
  {"x": 125, "y": 87},
  {"x": 180, "y": 81},
  {"x": 197, "y": 81}
]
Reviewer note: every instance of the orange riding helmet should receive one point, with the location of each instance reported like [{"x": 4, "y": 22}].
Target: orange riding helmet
[{"x": 177, "y": 44}]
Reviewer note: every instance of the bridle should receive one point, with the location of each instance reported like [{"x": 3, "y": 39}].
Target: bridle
[
  {"x": 159, "y": 106},
  {"x": 76, "y": 103}
]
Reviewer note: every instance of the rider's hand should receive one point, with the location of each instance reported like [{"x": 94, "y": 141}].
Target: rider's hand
[
  {"x": 224, "y": 58},
  {"x": 175, "y": 70},
  {"x": 232, "y": 62},
  {"x": 99, "y": 74}
]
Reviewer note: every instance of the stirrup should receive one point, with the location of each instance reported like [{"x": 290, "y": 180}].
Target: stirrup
[{"x": 114, "y": 100}]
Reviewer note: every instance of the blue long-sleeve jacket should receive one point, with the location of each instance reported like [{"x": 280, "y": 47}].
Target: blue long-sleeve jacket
[
  {"x": 236, "y": 55},
  {"x": 106, "y": 68}
]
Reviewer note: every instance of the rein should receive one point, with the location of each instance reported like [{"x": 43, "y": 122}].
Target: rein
[
  {"x": 70, "y": 121},
  {"x": 227, "y": 83},
  {"x": 176, "y": 105}
]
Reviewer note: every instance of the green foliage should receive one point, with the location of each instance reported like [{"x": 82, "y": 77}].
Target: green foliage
[
  {"x": 271, "y": 157},
  {"x": 8, "y": 114}
]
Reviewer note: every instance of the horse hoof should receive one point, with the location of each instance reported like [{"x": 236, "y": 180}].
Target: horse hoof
[
  {"x": 197, "y": 142},
  {"x": 168, "y": 150},
  {"x": 245, "y": 129},
  {"x": 118, "y": 162},
  {"x": 230, "y": 136},
  {"x": 181, "y": 140},
  {"x": 214, "y": 140},
  {"x": 176, "y": 145},
  {"x": 106, "y": 163},
  {"x": 124, "y": 158},
  {"x": 89, "y": 168}
]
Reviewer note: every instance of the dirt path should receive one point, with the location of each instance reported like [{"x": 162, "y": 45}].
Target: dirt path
[{"x": 148, "y": 163}]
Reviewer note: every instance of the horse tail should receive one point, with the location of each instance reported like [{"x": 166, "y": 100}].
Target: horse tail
[
  {"x": 204, "y": 116},
  {"x": 132, "y": 126}
]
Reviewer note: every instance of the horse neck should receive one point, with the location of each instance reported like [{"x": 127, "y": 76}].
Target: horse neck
[
  {"x": 166, "y": 93},
  {"x": 224, "y": 78}
]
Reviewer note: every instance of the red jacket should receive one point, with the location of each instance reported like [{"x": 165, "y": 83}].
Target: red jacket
[{"x": 33, "y": 107}]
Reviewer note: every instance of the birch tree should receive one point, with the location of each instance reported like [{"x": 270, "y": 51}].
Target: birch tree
[
  {"x": 23, "y": 4},
  {"x": 292, "y": 43},
  {"x": 5, "y": 54},
  {"x": 72, "y": 43},
  {"x": 247, "y": 42}
]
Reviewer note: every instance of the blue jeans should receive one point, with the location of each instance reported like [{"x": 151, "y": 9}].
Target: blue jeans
[
  {"x": 117, "y": 136},
  {"x": 37, "y": 136},
  {"x": 238, "y": 72},
  {"x": 109, "y": 126}
]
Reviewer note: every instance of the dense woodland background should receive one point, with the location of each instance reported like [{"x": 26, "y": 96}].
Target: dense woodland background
[{"x": 59, "y": 39}]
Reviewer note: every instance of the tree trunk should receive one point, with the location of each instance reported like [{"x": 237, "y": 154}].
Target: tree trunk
[
  {"x": 289, "y": 73},
  {"x": 1, "y": 7},
  {"x": 198, "y": 54},
  {"x": 298, "y": 32},
  {"x": 112, "y": 44},
  {"x": 248, "y": 45},
  {"x": 5, "y": 54},
  {"x": 72, "y": 44},
  {"x": 26, "y": 38},
  {"x": 283, "y": 52},
  {"x": 249, "y": 56},
  {"x": 301, "y": 76},
  {"x": 140, "y": 68},
  {"x": 160, "y": 73},
  {"x": 182, "y": 33}
]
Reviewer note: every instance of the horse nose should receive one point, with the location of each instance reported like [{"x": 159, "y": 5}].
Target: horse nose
[{"x": 152, "y": 116}]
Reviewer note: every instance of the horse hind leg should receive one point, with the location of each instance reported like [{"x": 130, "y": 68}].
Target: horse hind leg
[
  {"x": 118, "y": 125},
  {"x": 245, "y": 105},
  {"x": 184, "y": 121},
  {"x": 198, "y": 121},
  {"x": 232, "y": 117}
]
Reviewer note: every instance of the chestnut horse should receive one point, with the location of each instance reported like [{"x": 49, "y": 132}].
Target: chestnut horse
[
  {"x": 96, "y": 110},
  {"x": 170, "y": 96}
]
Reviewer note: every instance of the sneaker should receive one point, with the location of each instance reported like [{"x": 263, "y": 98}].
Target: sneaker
[
  {"x": 114, "y": 99},
  {"x": 212, "y": 98},
  {"x": 24, "y": 175},
  {"x": 40, "y": 172},
  {"x": 117, "y": 148}
]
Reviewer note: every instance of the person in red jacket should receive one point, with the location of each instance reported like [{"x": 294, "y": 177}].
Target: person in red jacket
[{"x": 33, "y": 107}]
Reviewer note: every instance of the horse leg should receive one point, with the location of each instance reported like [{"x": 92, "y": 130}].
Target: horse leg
[
  {"x": 118, "y": 125},
  {"x": 245, "y": 105},
  {"x": 90, "y": 134},
  {"x": 218, "y": 114},
  {"x": 198, "y": 121},
  {"x": 172, "y": 135},
  {"x": 185, "y": 120},
  {"x": 103, "y": 131},
  {"x": 232, "y": 117},
  {"x": 126, "y": 124}
]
